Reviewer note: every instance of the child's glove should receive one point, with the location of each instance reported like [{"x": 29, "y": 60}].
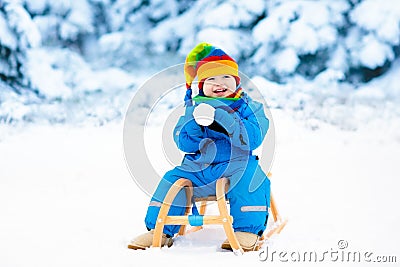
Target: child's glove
[
  {"x": 204, "y": 114},
  {"x": 226, "y": 120},
  {"x": 190, "y": 125}
]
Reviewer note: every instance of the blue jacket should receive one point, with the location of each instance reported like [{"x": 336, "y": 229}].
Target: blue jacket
[{"x": 232, "y": 136}]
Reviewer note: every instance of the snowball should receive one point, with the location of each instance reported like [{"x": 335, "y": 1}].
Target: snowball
[{"x": 204, "y": 114}]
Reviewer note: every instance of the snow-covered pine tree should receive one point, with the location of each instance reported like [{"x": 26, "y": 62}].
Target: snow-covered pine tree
[{"x": 18, "y": 35}]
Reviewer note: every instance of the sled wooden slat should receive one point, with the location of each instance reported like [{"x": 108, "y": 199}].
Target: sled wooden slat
[
  {"x": 173, "y": 191},
  {"x": 205, "y": 199},
  {"x": 274, "y": 209},
  {"x": 223, "y": 218},
  {"x": 279, "y": 224},
  {"x": 230, "y": 233},
  {"x": 276, "y": 230},
  {"x": 208, "y": 219}
]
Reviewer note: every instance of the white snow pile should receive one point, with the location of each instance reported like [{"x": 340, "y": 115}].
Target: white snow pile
[{"x": 68, "y": 199}]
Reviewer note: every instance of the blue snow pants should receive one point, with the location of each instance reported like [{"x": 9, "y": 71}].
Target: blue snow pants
[{"x": 249, "y": 193}]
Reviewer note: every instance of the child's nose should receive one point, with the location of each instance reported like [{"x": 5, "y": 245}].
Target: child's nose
[{"x": 219, "y": 82}]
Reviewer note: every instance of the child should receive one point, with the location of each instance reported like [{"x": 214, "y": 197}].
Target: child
[{"x": 218, "y": 135}]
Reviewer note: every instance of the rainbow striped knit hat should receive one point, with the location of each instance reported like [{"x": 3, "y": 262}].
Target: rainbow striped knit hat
[{"x": 206, "y": 60}]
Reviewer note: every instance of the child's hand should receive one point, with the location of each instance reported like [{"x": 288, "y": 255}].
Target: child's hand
[
  {"x": 226, "y": 120},
  {"x": 203, "y": 114}
]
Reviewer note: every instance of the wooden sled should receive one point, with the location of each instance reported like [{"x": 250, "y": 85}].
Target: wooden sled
[{"x": 198, "y": 220}]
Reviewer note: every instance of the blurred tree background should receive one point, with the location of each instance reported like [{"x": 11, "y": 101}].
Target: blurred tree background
[{"x": 56, "y": 50}]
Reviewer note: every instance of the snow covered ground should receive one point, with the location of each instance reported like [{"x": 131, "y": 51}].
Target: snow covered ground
[{"x": 67, "y": 198}]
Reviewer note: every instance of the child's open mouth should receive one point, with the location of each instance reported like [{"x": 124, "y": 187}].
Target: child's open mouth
[{"x": 220, "y": 91}]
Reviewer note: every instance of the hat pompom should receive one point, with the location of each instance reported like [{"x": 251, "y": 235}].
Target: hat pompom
[{"x": 200, "y": 51}]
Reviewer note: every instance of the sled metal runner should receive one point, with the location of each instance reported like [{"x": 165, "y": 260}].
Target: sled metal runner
[{"x": 197, "y": 221}]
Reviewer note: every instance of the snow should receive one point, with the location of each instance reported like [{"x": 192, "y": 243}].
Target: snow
[
  {"x": 44, "y": 77},
  {"x": 378, "y": 14},
  {"x": 286, "y": 61},
  {"x": 68, "y": 198},
  {"x": 389, "y": 32},
  {"x": 272, "y": 28},
  {"x": 228, "y": 39},
  {"x": 68, "y": 31},
  {"x": 374, "y": 53},
  {"x": 214, "y": 13},
  {"x": 6, "y": 36},
  {"x": 60, "y": 7},
  {"x": 47, "y": 26},
  {"x": 303, "y": 38},
  {"x": 316, "y": 14},
  {"x": 56, "y": 73},
  {"x": 255, "y": 7},
  {"x": 36, "y": 6},
  {"x": 78, "y": 21},
  {"x": 19, "y": 19},
  {"x": 339, "y": 59},
  {"x": 313, "y": 29},
  {"x": 309, "y": 28},
  {"x": 381, "y": 26},
  {"x": 81, "y": 15}
]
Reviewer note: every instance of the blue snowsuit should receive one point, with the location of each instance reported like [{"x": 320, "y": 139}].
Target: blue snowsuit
[{"x": 223, "y": 149}]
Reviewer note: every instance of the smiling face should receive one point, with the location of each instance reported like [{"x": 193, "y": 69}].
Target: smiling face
[{"x": 219, "y": 86}]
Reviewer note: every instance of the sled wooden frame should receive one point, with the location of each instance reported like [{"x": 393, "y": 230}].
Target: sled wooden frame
[{"x": 223, "y": 218}]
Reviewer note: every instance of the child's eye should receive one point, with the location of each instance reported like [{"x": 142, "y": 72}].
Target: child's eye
[
  {"x": 227, "y": 76},
  {"x": 210, "y": 79}
]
